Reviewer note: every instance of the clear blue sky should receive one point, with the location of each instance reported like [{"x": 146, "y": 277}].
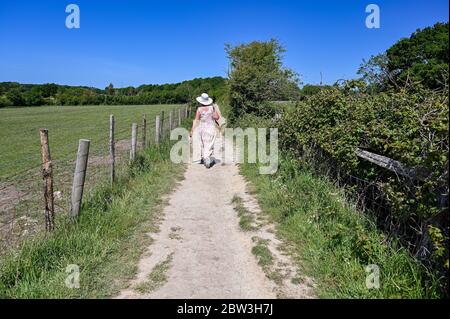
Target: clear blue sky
[{"x": 137, "y": 42}]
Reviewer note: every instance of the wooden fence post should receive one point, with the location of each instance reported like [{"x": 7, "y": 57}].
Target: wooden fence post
[
  {"x": 79, "y": 178},
  {"x": 47, "y": 176},
  {"x": 133, "y": 142},
  {"x": 179, "y": 117},
  {"x": 144, "y": 132},
  {"x": 161, "y": 134},
  {"x": 186, "y": 112},
  {"x": 170, "y": 121},
  {"x": 157, "y": 129},
  {"x": 112, "y": 148}
]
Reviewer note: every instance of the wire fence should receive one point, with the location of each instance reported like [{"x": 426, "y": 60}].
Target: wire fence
[
  {"x": 22, "y": 193},
  {"x": 370, "y": 198}
]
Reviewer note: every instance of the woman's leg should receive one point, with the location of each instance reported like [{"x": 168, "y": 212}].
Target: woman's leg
[
  {"x": 209, "y": 138},
  {"x": 196, "y": 146}
]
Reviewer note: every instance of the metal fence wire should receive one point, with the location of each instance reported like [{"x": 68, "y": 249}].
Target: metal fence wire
[
  {"x": 370, "y": 198},
  {"x": 22, "y": 193}
]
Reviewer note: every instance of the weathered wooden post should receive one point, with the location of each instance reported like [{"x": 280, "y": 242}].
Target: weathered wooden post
[
  {"x": 144, "y": 132},
  {"x": 79, "y": 178},
  {"x": 179, "y": 117},
  {"x": 161, "y": 134},
  {"x": 47, "y": 176},
  {"x": 186, "y": 111},
  {"x": 112, "y": 148},
  {"x": 170, "y": 121},
  {"x": 157, "y": 129},
  {"x": 133, "y": 142}
]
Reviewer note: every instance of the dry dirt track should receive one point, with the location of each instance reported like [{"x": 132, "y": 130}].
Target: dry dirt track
[{"x": 207, "y": 254}]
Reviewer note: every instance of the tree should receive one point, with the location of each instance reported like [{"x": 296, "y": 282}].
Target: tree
[
  {"x": 49, "y": 89},
  {"x": 15, "y": 96},
  {"x": 33, "y": 98},
  {"x": 130, "y": 91},
  {"x": 4, "y": 101},
  {"x": 110, "y": 89},
  {"x": 423, "y": 58},
  {"x": 375, "y": 72},
  {"x": 257, "y": 76}
]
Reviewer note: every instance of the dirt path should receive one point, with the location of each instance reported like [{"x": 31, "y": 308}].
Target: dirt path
[{"x": 201, "y": 251}]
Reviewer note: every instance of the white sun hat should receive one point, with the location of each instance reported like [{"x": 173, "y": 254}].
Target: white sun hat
[{"x": 204, "y": 99}]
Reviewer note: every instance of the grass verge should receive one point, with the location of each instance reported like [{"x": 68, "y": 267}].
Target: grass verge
[
  {"x": 105, "y": 243},
  {"x": 262, "y": 253},
  {"x": 246, "y": 218},
  {"x": 331, "y": 241},
  {"x": 156, "y": 278}
]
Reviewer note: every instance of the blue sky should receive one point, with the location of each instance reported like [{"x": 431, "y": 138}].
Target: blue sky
[{"x": 137, "y": 42}]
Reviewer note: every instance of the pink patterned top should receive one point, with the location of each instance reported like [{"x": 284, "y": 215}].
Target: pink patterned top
[{"x": 206, "y": 117}]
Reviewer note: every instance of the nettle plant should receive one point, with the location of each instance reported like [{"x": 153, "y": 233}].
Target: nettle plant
[{"x": 408, "y": 125}]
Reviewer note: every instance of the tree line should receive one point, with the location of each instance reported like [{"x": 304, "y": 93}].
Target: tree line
[{"x": 16, "y": 94}]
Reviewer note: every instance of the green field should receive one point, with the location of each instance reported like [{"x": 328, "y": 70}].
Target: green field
[{"x": 19, "y": 131}]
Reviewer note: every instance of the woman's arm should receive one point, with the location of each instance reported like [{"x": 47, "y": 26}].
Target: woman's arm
[
  {"x": 195, "y": 122},
  {"x": 216, "y": 114}
]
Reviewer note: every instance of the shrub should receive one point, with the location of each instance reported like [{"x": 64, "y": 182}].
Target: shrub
[
  {"x": 257, "y": 76},
  {"x": 408, "y": 126},
  {"x": 4, "y": 101}
]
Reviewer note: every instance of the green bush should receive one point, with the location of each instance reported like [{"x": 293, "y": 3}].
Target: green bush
[
  {"x": 257, "y": 76},
  {"x": 4, "y": 101},
  {"x": 407, "y": 126}
]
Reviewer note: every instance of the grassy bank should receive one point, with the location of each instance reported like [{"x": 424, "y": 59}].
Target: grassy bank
[
  {"x": 105, "y": 243},
  {"x": 331, "y": 241}
]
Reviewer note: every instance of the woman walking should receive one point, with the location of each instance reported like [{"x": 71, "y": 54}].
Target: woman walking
[{"x": 204, "y": 131}]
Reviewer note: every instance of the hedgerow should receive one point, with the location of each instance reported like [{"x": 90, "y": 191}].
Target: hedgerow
[{"x": 410, "y": 126}]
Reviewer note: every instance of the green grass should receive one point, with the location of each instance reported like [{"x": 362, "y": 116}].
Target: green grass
[
  {"x": 331, "y": 241},
  {"x": 246, "y": 218},
  {"x": 262, "y": 253},
  {"x": 105, "y": 243},
  {"x": 156, "y": 278},
  {"x": 19, "y": 131}
]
